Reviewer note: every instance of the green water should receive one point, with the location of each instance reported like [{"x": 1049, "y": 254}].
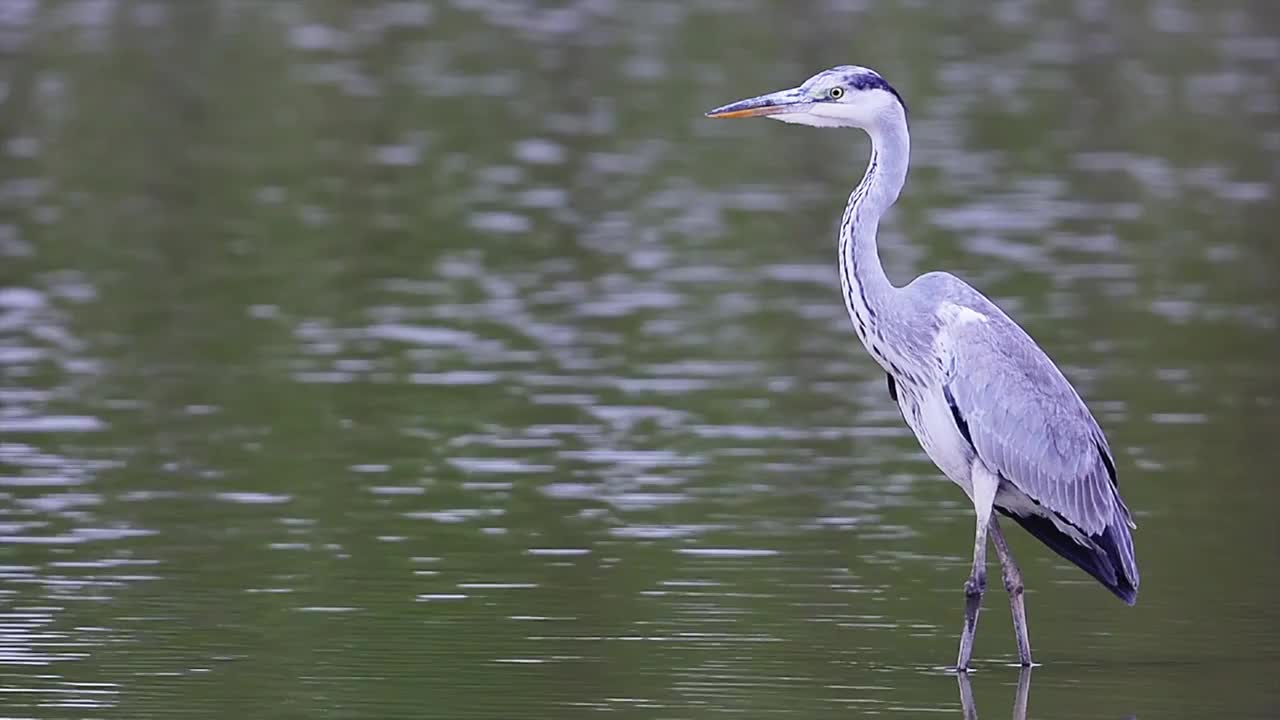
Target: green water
[{"x": 399, "y": 359}]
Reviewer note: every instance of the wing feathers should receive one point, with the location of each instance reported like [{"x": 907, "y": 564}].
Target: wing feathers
[{"x": 1026, "y": 423}]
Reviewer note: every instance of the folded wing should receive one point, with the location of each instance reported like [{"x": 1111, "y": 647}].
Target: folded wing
[{"x": 1028, "y": 425}]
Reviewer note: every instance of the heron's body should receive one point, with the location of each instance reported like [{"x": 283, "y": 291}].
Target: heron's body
[{"x": 988, "y": 406}]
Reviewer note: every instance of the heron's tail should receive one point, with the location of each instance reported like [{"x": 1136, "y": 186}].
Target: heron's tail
[{"x": 1108, "y": 557}]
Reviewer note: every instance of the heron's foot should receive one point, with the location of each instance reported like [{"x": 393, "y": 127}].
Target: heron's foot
[{"x": 966, "y": 696}]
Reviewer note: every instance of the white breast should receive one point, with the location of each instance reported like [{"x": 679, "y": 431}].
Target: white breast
[
  {"x": 927, "y": 411},
  {"x": 929, "y": 417}
]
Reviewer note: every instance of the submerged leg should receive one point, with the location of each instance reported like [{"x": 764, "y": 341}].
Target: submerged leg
[
  {"x": 970, "y": 709},
  {"x": 1024, "y": 690},
  {"x": 984, "y": 494},
  {"x": 966, "y": 697},
  {"x": 1013, "y": 583}
]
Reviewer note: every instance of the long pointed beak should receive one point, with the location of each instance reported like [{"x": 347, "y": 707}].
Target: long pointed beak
[{"x": 783, "y": 101}]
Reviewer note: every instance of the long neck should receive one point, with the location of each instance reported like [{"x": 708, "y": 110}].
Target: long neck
[{"x": 867, "y": 290}]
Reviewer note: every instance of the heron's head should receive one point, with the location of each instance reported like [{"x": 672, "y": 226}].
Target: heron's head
[{"x": 844, "y": 96}]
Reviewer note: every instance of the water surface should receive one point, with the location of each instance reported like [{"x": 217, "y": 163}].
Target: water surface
[{"x": 404, "y": 359}]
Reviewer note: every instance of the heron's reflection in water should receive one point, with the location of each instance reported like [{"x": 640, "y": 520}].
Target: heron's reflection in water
[{"x": 1019, "y": 700}]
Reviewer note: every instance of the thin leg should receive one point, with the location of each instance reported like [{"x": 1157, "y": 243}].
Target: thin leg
[
  {"x": 984, "y": 493},
  {"x": 1013, "y": 584},
  {"x": 973, "y": 588}
]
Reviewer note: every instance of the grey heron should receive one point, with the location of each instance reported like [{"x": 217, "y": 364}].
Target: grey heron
[{"x": 988, "y": 406}]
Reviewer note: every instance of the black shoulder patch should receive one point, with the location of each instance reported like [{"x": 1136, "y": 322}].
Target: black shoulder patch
[
  {"x": 1107, "y": 461},
  {"x": 893, "y": 387},
  {"x": 958, "y": 417}
]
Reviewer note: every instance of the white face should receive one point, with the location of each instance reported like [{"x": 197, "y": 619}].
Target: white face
[{"x": 846, "y": 96}]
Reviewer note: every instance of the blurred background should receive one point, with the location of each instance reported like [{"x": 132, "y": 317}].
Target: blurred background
[{"x": 438, "y": 359}]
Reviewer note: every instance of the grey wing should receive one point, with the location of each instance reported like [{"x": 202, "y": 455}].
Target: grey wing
[{"x": 1028, "y": 425}]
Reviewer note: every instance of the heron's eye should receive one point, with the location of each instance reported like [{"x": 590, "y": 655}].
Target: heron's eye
[{"x": 836, "y": 93}]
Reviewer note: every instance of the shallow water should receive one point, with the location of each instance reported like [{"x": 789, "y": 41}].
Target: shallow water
[{"x": 440, "y": 359}]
